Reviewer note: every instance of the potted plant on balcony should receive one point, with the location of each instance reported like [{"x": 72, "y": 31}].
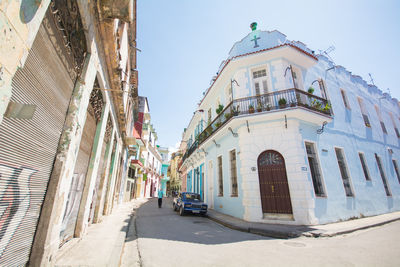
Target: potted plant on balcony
[
  {"x": 310, "y": 90},
  {"x": 251, "y": 108},
  {"x": 327, "y": 108},
  {"x": 227, "y": 115},
  {"x": 268, "y": 108},
  {"x": 316, "y": 104},
  {"x": 282, "y": 103},
  {"x": 218, "y": 124},
  {"x": 235, "y": 111},
  {"x": 259, "y": 107},
  {"x": 219, "y": 109},
  {"x": 209, "y": 130}
]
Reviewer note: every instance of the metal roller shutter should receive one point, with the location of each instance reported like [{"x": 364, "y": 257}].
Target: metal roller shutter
[{"x": 28, "y": 146}]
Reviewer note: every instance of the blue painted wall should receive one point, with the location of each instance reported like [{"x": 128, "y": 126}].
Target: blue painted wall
[
  {"x": 348, "y": 131},
  {"x": 189, "y": 181},
  {"x": 226, "y": 203}
]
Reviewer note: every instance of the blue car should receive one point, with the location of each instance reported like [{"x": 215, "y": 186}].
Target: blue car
[{"x": 189, "y": 202}]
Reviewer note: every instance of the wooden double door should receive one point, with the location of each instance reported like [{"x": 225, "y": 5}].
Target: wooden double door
[{"x": 274, "y": 189}]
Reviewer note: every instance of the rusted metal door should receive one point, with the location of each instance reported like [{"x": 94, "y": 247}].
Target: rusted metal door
[{"x": 274, "y": 189}]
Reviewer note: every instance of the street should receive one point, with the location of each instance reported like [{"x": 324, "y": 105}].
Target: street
[{"x": 167, "y": 239}]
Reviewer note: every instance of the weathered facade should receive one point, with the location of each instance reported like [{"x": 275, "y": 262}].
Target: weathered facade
[
  {"x": 146, "y": 161},
  {"x": 285, "y": 136},
  {"x": 175, "y": 179},
  {"x": 68, "y": 93}
]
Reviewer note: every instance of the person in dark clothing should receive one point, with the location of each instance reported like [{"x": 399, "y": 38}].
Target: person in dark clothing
[{"x": 160, "y": 196}]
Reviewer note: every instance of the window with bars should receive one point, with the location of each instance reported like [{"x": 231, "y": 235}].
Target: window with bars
[
  {"x": 378, "y": 112},
  {"x": 394, "y": 126},
  {"x": 322, "y": 88},
  {"x": 364, "y": 166},
  {"x": 315, "y": 170},
  {"x": 364, "y": 112},
  {"x": 131, "y": 173},
  {"x": 234, "y": 184},
  {"x": 344, "y": 172},
  {"x": 260, "y": 82},
  {"x": 259, "y": 73},
  {"x": 345, "y": 100},
  {"x": 383, "y": 176},
  {"x": 220, "y": 178},
  {"x": 396, "y": 169}
]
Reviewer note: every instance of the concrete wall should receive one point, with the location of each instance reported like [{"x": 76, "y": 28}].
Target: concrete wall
[{"x": 19, "y": 24}]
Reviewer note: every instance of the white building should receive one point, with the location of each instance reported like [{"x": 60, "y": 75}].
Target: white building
[{"x": 264, "y": 147}]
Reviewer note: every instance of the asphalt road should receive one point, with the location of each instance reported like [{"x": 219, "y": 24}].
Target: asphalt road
[{"x": 166, "y": 239}]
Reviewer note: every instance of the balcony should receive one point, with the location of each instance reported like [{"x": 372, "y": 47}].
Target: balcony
[{"x": 286, "y": 99}]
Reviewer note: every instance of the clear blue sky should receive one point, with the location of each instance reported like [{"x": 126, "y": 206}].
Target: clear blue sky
[{"x": 184, "y": 41}]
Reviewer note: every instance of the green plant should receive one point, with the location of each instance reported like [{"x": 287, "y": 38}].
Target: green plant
[
  {"x": 251, "y": 108},
  {"x": 217, "y": 124},
  {"x": 310, "y": 90},
  {"x": 282, "y": 102},
  {"x": 316, "y": 104},
  {"x": 228, "y": 116},
  {"x": 259, "y": 106},
  {"x": 219, "y": 109},
  {"x": 268, "y": 108},
  {"x": 327, "y": 107},
  {"x": 235, "y": 111}
]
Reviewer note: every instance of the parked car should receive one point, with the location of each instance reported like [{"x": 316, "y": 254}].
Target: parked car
[{"x": 189, "y": 202}]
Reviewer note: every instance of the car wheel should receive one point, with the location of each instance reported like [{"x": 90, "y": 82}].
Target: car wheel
[
  {"x": 204, "y": 214},
  {"x": 181, "y": 211},
  {"x": 175, "y": 207}
]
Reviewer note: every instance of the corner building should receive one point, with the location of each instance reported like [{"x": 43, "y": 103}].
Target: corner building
[{"x": 285, "y": 136}]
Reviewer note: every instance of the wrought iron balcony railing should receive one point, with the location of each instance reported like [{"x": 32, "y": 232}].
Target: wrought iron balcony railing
[{"x": 261, "y": 104}]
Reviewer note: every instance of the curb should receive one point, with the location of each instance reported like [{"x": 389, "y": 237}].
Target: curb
[
  {"x": 131, "y": 232},
  {"x": 294, "y": 234},
  {"x": 316, "y": 234},
  {"x": 268, "y": 233}
]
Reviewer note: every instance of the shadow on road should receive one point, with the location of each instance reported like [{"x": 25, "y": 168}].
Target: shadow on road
[{"x": 163, "y": 223}]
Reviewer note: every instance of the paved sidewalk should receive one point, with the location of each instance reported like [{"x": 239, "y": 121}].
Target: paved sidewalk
[
  {"x": 104, "y": 242},
  {"x": 291, "y": 231}
]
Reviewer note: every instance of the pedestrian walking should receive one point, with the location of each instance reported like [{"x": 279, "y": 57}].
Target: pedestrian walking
[{"x": 160, "y": 196}]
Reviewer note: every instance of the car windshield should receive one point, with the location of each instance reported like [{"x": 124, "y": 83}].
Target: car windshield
[{"x": 195, "y": 197}]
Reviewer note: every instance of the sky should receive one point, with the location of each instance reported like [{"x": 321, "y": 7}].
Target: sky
[{"x": 183, "y": 42}]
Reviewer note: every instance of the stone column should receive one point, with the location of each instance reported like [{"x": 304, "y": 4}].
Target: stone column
[
  {"x": 98, "y": 212},
  {"x": 91, "y": 174},
  {"x": 111, "y": 185}
]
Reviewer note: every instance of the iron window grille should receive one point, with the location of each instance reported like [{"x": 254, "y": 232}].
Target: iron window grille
[
  {"x": 344, "y": 172},
  {"x": 220, "y": 178},
  {"x": 383, "y": 176},
  {"x": 396, "y": 168},
  {"x": 234, "y": 192},
  {"x": 315, "y": 170},
  {"x": 364, "y": 166}
]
